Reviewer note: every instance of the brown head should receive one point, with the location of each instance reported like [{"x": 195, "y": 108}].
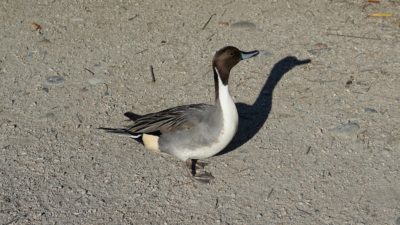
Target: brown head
[{"x": 226, "y": 58}]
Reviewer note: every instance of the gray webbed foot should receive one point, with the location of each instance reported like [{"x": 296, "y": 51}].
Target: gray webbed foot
[
  {"x": 204, "y": 177},
  {"x": 193, "y": 166}
]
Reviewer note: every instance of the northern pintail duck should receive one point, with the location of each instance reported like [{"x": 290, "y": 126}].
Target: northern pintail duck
[{"x": 192, "y": 132}]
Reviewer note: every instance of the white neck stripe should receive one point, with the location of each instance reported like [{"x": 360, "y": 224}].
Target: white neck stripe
[{"x": 219, "y": 77}]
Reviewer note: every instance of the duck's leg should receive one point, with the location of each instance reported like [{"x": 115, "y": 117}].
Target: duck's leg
[
  {"x": 190, "y": 165},
  {"x": 204, "y": 177},
  {"x": 200, "y": 165}
]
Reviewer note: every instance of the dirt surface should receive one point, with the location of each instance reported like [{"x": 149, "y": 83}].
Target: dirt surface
[{"x": 318, "y": 141}]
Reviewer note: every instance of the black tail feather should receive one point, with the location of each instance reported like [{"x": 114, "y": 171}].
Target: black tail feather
[
  {"x": 132, "y": 116},
  {"x": 123, "y": 131},
  {"x": 117, "y": 130}
]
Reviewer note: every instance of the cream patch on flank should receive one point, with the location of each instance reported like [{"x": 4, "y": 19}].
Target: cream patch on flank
[{"x": 151, "y": 143}]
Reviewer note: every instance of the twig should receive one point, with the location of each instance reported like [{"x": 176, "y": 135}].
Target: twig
[
  {"x": 152, "y": 73},
  {"x": 144, "y": 50},
  {"x": 89, "y": 70},
  {"x": 13, "y": 220},
  {"x": 134, "y": 17},
  {"x": 79, "y": 117},
  {"x": 16, "y": 219},
  {"x": 308, "y": 150},
  {"x": 270, "y": 193},
  {"x": 223, "y": 13},
  {"x": 209, "y": 37},
  {"x": 208, "y": 21},
  {"x": 185, "y": 183},
  {"x": 228, "y": 3},
  {"x": 38, "y": 138},
  {"x": 354, "y": 36},
  {"x": 106, "y": 92},
  {"x": 243, "y": 170},
  {"x": 304, "y": 211},
  {"x": 127, "y": 88}
]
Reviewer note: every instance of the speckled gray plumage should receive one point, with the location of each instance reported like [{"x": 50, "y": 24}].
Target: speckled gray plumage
[{"x": 202, "y": 125}]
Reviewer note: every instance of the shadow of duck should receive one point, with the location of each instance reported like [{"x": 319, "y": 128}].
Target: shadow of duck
[{"x": 253, "y": 117}]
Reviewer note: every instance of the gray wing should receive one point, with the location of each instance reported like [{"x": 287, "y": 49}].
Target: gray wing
[{"x": 177, "y": 118}]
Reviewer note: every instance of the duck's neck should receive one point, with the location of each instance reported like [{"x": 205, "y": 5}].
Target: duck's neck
[
  {"x": 220, "y": 81},
  {"x": 225, "y": 103},
  {"x": 222, "y": 95}
]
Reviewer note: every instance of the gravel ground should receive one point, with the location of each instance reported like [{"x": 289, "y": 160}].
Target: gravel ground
[{"x": 318, "y": 142}]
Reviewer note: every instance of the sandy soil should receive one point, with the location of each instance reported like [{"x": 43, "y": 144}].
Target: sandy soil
[{"x": 318, "y": 142}]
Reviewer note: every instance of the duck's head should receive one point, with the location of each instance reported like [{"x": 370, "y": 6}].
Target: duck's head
[{"x": 226, "y": 58}]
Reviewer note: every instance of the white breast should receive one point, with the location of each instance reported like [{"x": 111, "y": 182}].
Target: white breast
[{"x": 230, "y": 124}]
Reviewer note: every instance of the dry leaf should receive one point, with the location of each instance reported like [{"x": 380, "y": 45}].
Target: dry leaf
[
  {"x": 380, "y": 15},
  {"x": 321, "y": 46},
  {"x": 36, "y": 26},
  {"x": 223, "y": 23}
]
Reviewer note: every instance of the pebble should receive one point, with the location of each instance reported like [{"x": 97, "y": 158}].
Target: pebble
[
  {"x": 50, "y": 115},
  {"x": 55, "y": 80},
  {"x": 244, "y": 25},
  {"x": 345, "y": 130},
  {"x": 45, "y": 89},
  {"x": 370, "y": 110},
  {"x": 398, "y": 221}
]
